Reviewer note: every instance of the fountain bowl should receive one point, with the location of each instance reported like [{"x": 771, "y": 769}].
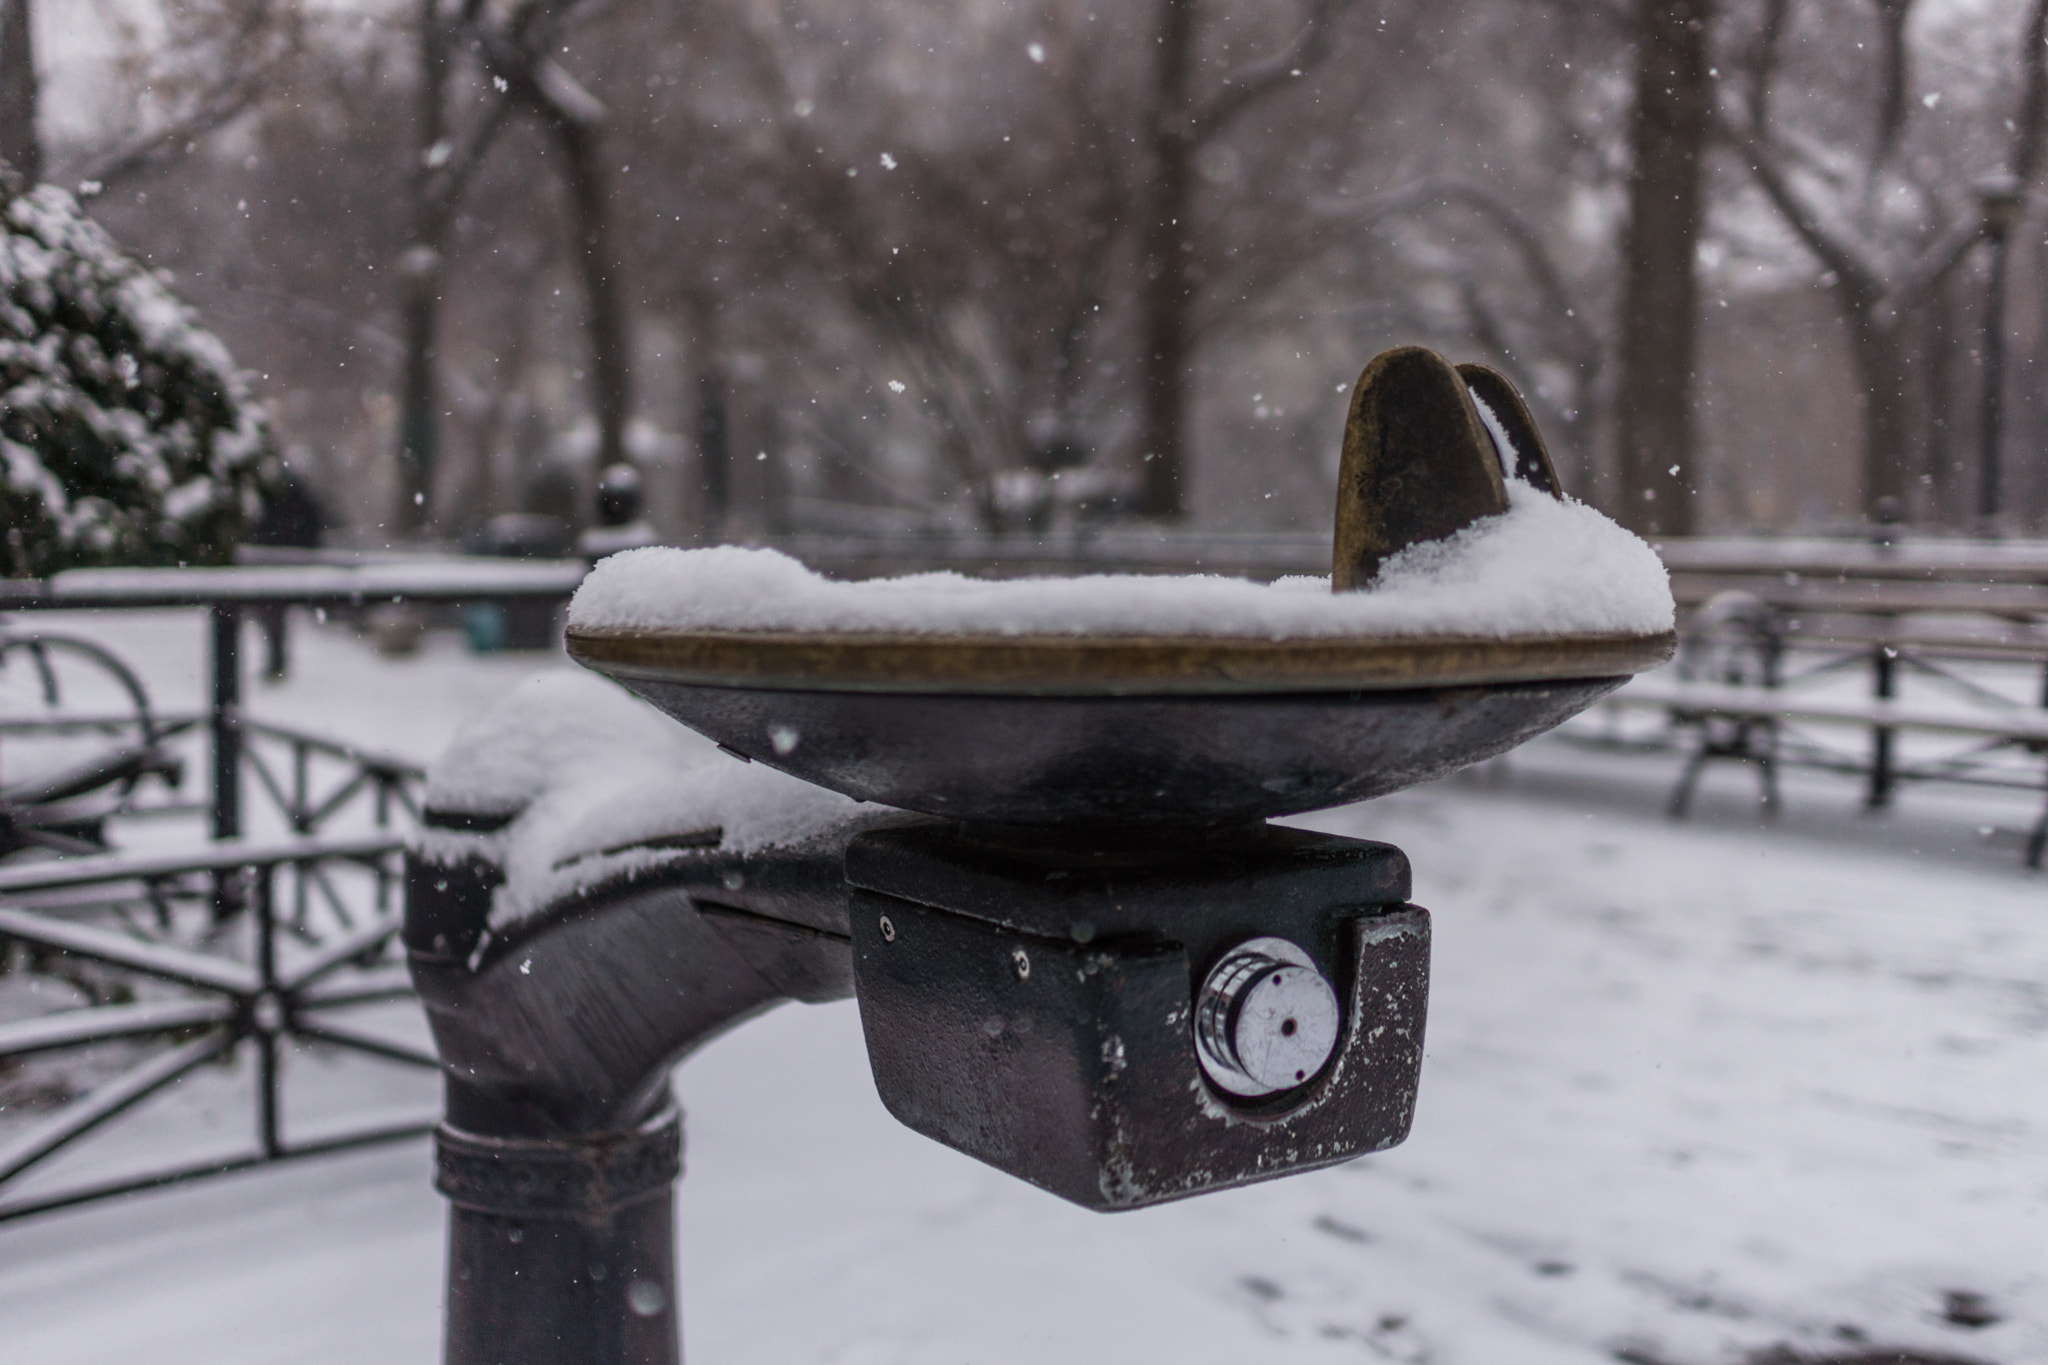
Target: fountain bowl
[{"x": 1114, "y": 730}]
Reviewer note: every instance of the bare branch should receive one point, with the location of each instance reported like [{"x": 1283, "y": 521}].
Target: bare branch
[
  {"x": 1860, "y": 277},
  {"x": 1526, "y": 240},
  {"x": 1254, "y": 81},
  {"x": 1762, "y": 60},
  {"x": 1896, "y": 58},
  {"x": 565, "y": 97},
  {"x": 445, "y": 187},
  {"x": 265, "y": 38},
  {"x": 1934, "y": 264},
  {"x": 2032, "y": 122}
]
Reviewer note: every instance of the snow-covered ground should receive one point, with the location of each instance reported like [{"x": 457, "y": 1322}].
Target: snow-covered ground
[{"x": 1691, "y": 1091}]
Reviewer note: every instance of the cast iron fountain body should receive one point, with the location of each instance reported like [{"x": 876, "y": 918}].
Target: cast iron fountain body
[{"x": 1081, "y": 954}]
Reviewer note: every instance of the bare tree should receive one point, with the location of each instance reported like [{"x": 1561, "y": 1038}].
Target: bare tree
[
  {"x": 1180, "y": 122},
  {"x": 515, "y": 73},
  {"x": 516, "y": 55},
  {"x": 1879, "y": 283},
  {"x": 214, "y": 62},
  {"x": 1659, "y": 333},
  {"x": 442, "y": 169},
  {"x": 1877, "y": 280},
  {"x": 973, "y": 260},
  {"x": 1005, "y": 260}
]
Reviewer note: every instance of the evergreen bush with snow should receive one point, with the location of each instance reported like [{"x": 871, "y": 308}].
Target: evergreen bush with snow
[{"x": 126, "y": 434}]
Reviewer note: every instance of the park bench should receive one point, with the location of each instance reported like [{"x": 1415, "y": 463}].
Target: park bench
[
  {"x": 2024, "y": 730},
  {"x": 1741, "y": 704}
]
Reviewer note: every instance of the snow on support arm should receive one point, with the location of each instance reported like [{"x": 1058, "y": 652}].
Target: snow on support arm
[
  {"x": 126, "y": 434},
  {"x": 590, "y": 779},
  {"x": 1546, "y": 566}
]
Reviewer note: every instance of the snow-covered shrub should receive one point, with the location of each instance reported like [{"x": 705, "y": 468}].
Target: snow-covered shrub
[{"x": 126, "y": 434}]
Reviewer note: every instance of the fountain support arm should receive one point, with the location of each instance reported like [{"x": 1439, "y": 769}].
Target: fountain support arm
[
  {"x": 1118, "y": 1019},
  {"x": 562, "y": 1141}
]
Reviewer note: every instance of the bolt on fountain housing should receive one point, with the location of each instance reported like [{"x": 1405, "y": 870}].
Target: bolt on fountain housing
[{"x": 1080, "y": 952}]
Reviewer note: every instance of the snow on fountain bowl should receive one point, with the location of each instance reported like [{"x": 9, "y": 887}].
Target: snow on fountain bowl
[{"x": 1137, "y": 700}]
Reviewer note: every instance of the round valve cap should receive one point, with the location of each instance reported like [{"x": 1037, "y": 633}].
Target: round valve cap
[{"x": 1266, "y": 1020}]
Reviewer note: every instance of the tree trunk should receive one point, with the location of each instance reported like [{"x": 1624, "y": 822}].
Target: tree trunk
[
  {"x": 420, "y": 277},
  {"x": 1940, "y": 387},
  {"x": 1660, "y": 301},
  {"x": 1167, "y": 286},
  {"x": 713, "y": 426},
  {"x": 19, "y": 145},
  {"x": 1895, "y": 57},
  {"x": 582, "y": 144},
  {"x": 1887, "y": 437},
  {"x": 419, "y": 415}
]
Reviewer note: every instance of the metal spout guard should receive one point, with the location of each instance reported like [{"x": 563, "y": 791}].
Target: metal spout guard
[
  {"x": 1526, "y": 457},
  {"x": 1420, "y": 463}
]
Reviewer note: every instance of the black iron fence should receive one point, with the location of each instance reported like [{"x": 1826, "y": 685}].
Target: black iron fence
[
  {"x": 258, "y": 989},
  {"x": 225, "y": 949}
]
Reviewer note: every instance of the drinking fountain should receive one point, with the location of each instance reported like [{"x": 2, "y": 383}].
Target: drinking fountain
[{"x": 1039, "y": 858}]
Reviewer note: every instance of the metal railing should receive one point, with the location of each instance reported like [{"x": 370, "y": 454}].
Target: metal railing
[
  {"x": 206, "y": 1006},
  {"x": 230, "y": 947}
]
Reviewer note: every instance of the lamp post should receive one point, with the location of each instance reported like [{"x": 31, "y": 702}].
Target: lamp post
[{"x": 1999, "y": 203}]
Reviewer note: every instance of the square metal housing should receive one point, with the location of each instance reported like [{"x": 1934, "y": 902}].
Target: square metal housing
[{"x": 1031, "y": 1004}]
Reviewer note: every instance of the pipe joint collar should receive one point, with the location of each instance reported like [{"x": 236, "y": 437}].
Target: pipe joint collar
[{"x": 578, "y": 1176}]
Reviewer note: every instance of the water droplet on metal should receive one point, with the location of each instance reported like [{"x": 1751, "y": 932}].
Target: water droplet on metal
[{"x": 646, "y": 1298}]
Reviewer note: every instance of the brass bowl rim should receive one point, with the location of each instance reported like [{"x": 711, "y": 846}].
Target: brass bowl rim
[{"x": 1104, "y": 664}]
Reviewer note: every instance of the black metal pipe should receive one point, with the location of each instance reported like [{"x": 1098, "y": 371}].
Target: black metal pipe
[
  {"x": 1883, "y": 686},
  {"x": 557, "y": 1035},
  {"x": 1991, "y": 420},
  {"x": 224, "y": 727},
  {"x": 561, "y": 1251}
]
